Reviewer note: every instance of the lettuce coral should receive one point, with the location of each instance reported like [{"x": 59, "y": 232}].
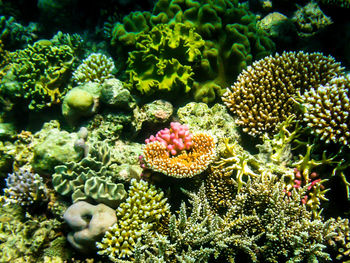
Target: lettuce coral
[
  {"x": 231, "y": 42},
  {"x": 162, "y": 59}
]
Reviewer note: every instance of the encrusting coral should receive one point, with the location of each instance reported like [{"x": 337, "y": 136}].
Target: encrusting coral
[
  {"x": 95, "y": 68},
  {"x": 264, "y": 93},
  {"x": 327, "y": 110},
  {"x": 185, "y": 162},
  {"x": 142, "y": 211}
]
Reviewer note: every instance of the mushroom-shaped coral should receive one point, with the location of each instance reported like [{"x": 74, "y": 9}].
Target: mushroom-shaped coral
[
  {"x": 327, "y": 110},
  {"x": 95, "y": 68},
  {"x": 263, "y": 94},
  {"x": 186, "y": 162}
]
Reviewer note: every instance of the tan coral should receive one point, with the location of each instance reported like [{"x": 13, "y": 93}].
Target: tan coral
[
  {"x": 187, "y": 163},
  {"x": 263, "y": 94},
  {"x": 327, "y": 110}
]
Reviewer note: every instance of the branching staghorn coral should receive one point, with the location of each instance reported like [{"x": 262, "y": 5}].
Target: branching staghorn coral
[
  {"x": 143, "y": 210},
  {"x": 327, "y": 110},
  {"x": 264, "y": 93},
  {"x": 95, "y": 68}
]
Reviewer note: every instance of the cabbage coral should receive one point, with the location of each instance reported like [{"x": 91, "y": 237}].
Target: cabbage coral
[{"x": 263, "y": 94}]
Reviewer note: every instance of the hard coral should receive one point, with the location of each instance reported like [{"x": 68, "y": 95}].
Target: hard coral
[
  {"x": 177, "y": 139},
  {"x": 25, "y": 188},
  {"x": 263, "y": 94},
  {"x": 186, "y": 163},
  {"x": 142, "y": 210},
  {"x": 327, "y": 110},
  {"x": 95, "y": 68}
]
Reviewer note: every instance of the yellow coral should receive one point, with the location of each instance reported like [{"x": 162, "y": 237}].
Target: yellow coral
[
  {"x": 142, "y": 210},
  {"x": 185, "y": 164},
  {"x": 263, "y": 94}
]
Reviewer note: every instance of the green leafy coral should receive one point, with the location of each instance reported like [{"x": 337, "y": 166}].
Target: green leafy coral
[
  {"x": 231, "y": 40},
  {"x": 37, "y": 74},
  {"x": 162, "y": 59}
]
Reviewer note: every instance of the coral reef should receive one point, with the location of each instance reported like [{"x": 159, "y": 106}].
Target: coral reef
[
  {"x": 27, "y": 239},
  {"x": 25, "y": 188},
  {"x": 310, "y": 20},
  {"x": 15, "y": 35},
  {"x": 142, "y": 211},
  {"x": 264, "y": 93},
  {"x": 186, "y": 163},
  {"x": 215, "y": 120},
  {"x": 95, "y": 68},
  {"x": 89, "y": 223},
  {"x": 37, "y": 74},
  {"x": 341, "y": 3},
  {"x": 54, "y": 148},
  {"x": 327, "y": 109}
]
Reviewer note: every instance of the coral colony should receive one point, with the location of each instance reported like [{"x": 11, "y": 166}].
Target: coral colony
[
  {"x": 175, "y": 139},
  {"x": 248, "y": 104}
]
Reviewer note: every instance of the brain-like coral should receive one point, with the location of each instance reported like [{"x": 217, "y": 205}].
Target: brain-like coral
[
  {"x": 142, "y": 210},
  {"x": 37, "y": 74},
  {"x": 327, "y": 110},
  {"x": 263, "y": 94},
  {"x": 93, "y": 178},
  {"x": 95, "y": 68}
]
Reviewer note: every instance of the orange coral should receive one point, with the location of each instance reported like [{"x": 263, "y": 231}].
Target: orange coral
[{"x": 186, "y": 163}]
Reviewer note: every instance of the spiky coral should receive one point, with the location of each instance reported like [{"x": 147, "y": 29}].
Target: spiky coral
[
  {"x": 263, "y": 94},
  {"x": 95, "y": 68},
  {"x": 25, "y": 188},
  {"x": 186, "y": 163},
  {"x": 142, "y": 210},
  {"x": 327, "y": 110}
]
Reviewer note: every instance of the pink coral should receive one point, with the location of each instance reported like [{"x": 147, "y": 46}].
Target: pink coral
[{"x": 175, "y": 139}]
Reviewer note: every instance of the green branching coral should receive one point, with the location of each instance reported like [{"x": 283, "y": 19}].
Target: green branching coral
[
  {"x": 342, "y": 3},
  {"x": 37, "y": 74},
  {"x": 92, "y": 178},
  {"x": 142, "y": 211},
  {"x": 264, "y": 93},
  {"x": 162, "y": 59},
  {"x": 327, "y": 109},
  {"x": 95, "y": 68}
]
